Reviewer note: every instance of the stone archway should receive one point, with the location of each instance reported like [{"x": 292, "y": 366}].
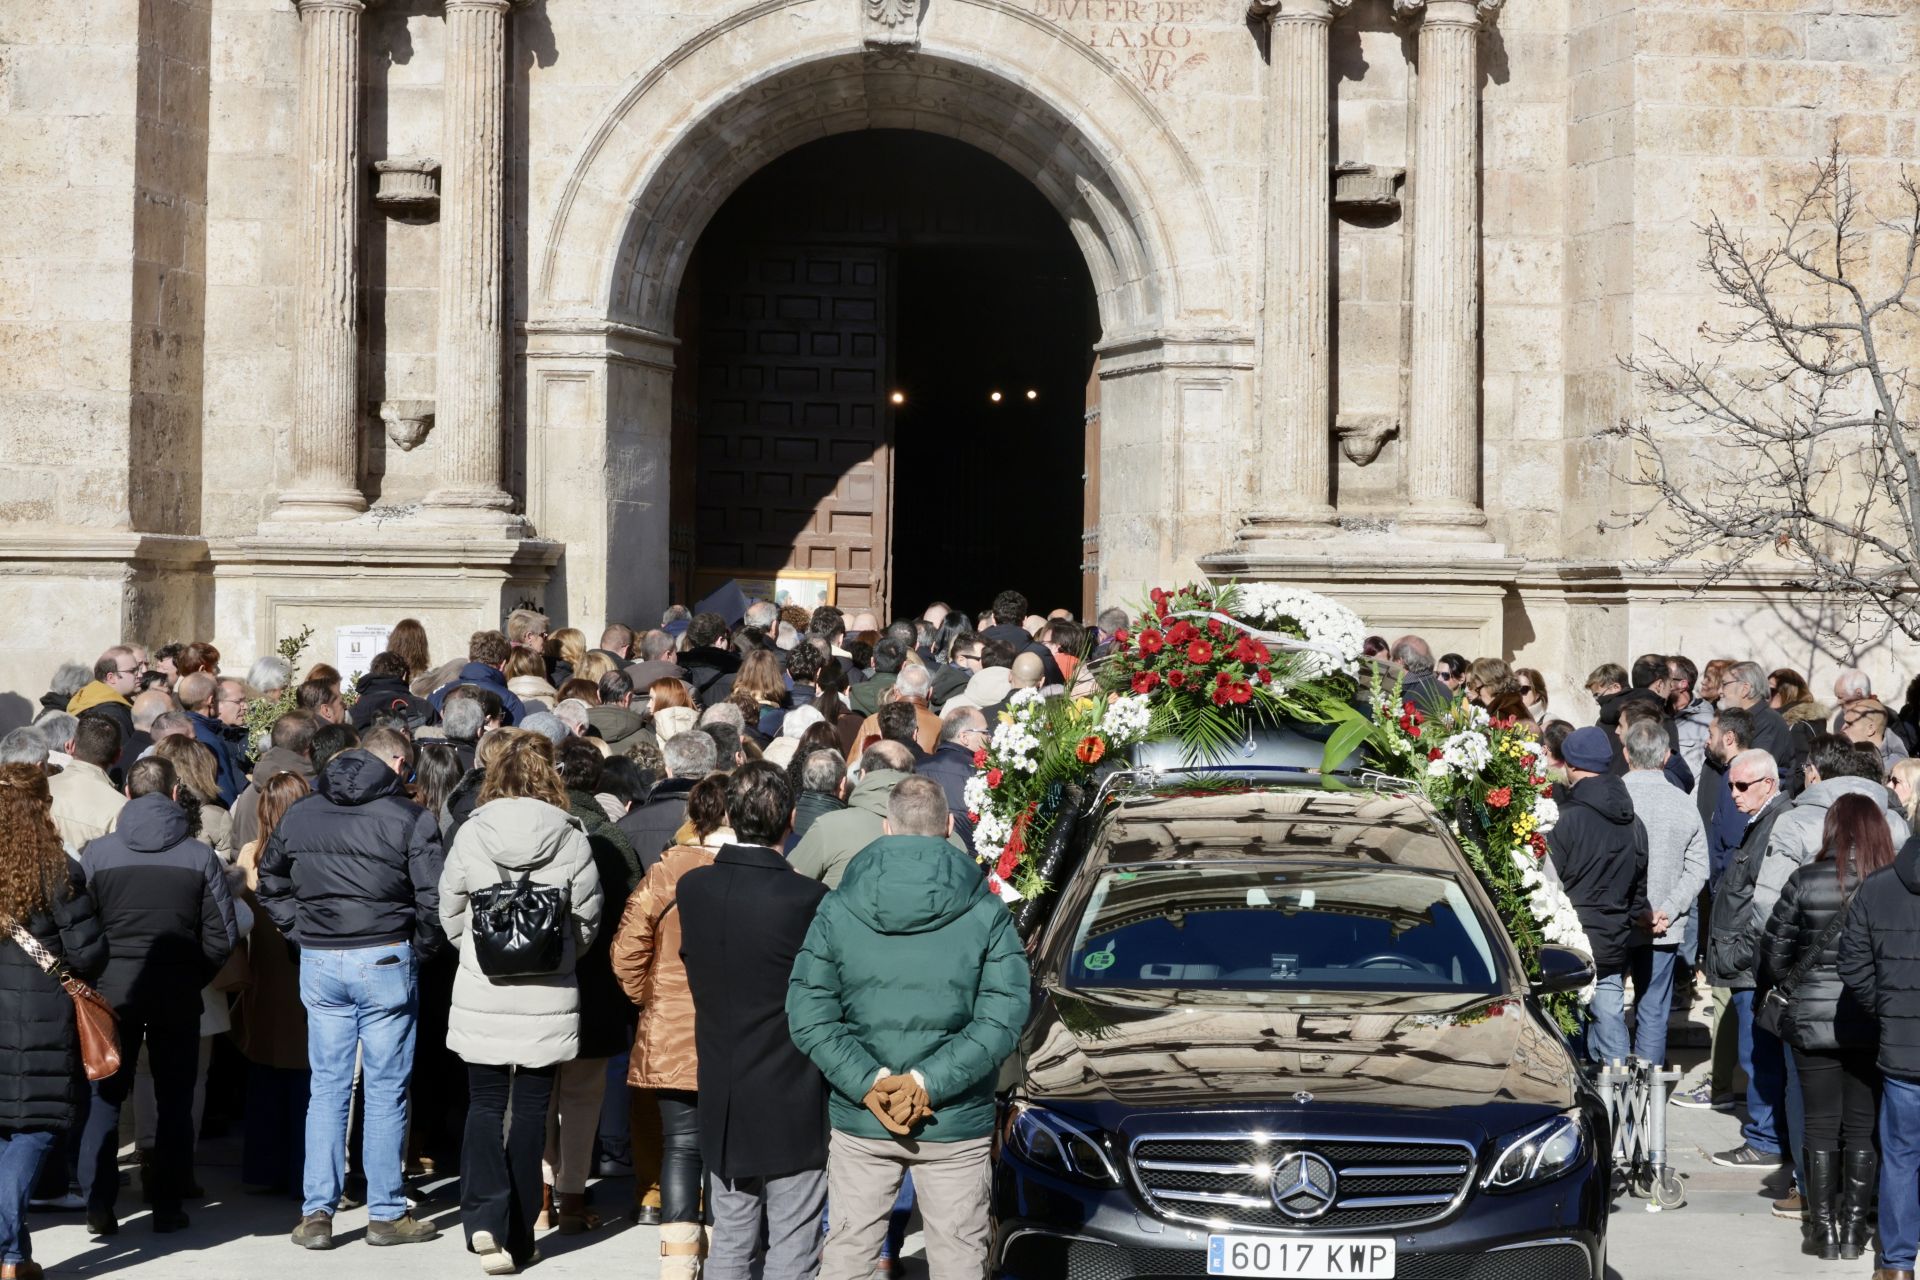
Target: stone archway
[{"x": 687, "y": 132}]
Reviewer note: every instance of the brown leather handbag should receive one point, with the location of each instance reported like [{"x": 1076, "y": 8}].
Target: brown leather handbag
[{"x": 92, "y": 1015}]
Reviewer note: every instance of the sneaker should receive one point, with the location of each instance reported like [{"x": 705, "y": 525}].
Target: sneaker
[
  {"x": 315, "y": 1231},
  {"x": 1745, "y": 1157},
  {"x": 1702, "y": 1098},
  {"x": 494, "y": 1260},
  {"x": 71, "y": 1202},
  {"x": 1792, "y": 1207},
  {"x": 407, "y": 1230}
]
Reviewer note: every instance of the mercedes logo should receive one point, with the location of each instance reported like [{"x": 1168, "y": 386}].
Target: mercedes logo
[{"x": 1303, "y": 1186}]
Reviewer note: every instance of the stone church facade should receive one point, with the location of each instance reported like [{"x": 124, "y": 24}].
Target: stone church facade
[{"x": 326, "y": 312}]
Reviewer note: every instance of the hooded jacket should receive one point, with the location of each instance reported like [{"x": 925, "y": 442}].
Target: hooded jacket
[
  {"x": 163, "y": 904},
  {"x": 1600, "y": 850},
  {"x": 1821, "y": 1013},
  {"x": 356, "y": 864},
  {"x": 910, "y": 965},
  {"x": 102, "y": 698},
  {"x": 487, "y": 678},
  {"x": 246, "y": 810},
  {"x": 1796, "y": 836},
  {"x": 646, "y": 960},
  {"x": 523, "y": 1022},
  {"x": 834, "y": 839},
  {"x": 710, "y": 670},
  {"x": 41, "y": 1087},
  {"x": 1880, "y": 958}
]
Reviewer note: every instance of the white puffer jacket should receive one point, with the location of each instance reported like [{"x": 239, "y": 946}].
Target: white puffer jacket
[{"x": 523, "y": 1022}]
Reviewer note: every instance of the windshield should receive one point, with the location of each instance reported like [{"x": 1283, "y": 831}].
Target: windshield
[{"x": 1261, "y": 926}]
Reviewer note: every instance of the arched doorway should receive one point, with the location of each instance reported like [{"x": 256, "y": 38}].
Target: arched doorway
[{"x": 886, "y": 337}]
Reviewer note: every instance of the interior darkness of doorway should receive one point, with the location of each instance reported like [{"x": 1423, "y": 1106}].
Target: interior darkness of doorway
[{"x": 853, "y": 268}]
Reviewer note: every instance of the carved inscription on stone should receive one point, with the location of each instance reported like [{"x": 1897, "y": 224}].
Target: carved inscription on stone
[{"x": 1154, "y": 40}]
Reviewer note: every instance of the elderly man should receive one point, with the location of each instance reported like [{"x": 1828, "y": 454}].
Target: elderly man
[
  {"x": 148, "y": 707},
  {"x": 1420, "y": 686},
  {"x": 86, "y": 804},
  {"x": 198, "y": 694},
  {"x": 650, "y": 826},
  {"x": 653, "y": 661},
  {"x": 1744, "y": 688},
  {"x": 1733, "y": 945},
  {"x": 1676, "y": 873},
  {"x": 834, "y": 839},
  {"x": 963, "y": 731},
  {"x": 913, "y": 686}
]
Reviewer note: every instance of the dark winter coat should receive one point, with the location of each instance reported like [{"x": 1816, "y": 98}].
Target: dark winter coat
[
  {"x": 1772, "y": 734},
  {"x": 230, "y": 764},
  {"x": 1880, "y": 958},
  {"x": 356, "y": 864},
  {"x": 460, "y": 804},
  {"x": 1733, "y": 932},
  {"x": 377, "y": 695},
  {"x": 948, "y": 682},
  {"x": 710, "y": 671},
  {"x": 808, "y": 808},
  {"x": 621, "y": 728},
  {"x": 163, "y": 904},
  {"x": 487, "y": 678},
  {"x": 246, "y": 810},
  {"x": 950, "y": 766},
  {"x": 606, "y": 1015},
  {"x": 41, "y": 1087},
  {"x": 1600, "y": 851},
  {"x": 1821, "y": 1012},
  {"x": 1008, "y": 633},
  {"x": 911, "y": 964},
  {"x": 650, "y": 827},
  {"x": 763, "y": 1104}
]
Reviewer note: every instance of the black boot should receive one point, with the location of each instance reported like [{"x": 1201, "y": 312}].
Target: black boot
[
  {"x": 1820, "y": 1170},
  {"x": 1857, "y": 1192}
]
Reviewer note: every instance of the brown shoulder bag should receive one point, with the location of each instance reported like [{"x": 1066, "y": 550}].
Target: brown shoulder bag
[{"x": 92, "y": 1015}]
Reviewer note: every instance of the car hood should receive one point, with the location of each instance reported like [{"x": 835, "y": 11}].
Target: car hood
[{"x": 1228, "y": 1048}]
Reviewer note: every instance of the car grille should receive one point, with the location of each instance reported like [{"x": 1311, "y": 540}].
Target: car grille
[
  {"x": 1242, "y": 1181},
  {"x": 1041, "y": 1257}
]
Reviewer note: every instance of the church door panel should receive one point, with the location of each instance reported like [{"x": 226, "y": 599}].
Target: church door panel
[{"x": 794, "y": 449}]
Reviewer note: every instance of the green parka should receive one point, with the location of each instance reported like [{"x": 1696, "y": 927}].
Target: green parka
[{"x": 911, "y": 964}]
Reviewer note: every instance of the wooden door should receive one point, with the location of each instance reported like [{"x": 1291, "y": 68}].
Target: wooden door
[{"x": 794, "y": 450}]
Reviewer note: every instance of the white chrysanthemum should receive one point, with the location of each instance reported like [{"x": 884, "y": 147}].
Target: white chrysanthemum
[
  {"x": 1436, "y": 768},
  {"x": 1125, "y": 719},
  {"x": 1335, "y": 630},
  {"x": 1545, "y": 811},
  {"x": 1467, "y": 753}
]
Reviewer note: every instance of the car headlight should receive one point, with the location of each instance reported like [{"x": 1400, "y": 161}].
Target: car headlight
[
  {"x": 1052, "y": 1142},
  {"x": 1538, "y": 1154}
]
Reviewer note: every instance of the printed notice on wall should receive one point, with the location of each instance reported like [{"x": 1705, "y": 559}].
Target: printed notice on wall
[{"x": 355, "y": 646}]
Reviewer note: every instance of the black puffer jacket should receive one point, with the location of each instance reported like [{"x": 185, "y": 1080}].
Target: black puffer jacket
[
  {"x": 379, "y": 694},
  {"x": 1821, "y": 1012},
  {"x": 356, "y": 864},
  {"x": 1600, "y": 851},
  {"x": 162, "y": 900},
  {"x": 1880, "y": 958},
  {"x": 606, "y": 1015},
  {"x": 40, "y": 1081},
  {"x": 711, "y": 671},
  {"x": 1733, "y": 934}
]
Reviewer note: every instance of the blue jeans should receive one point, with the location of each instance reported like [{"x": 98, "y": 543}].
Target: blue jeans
[
  {"x": 1764, "y": 1061},
  {"x": 1653, "y": 970},
  {"x": 364, "y": 1000},
  {"x": 20, "y": 1157},
  {"x": 1603, "y": 1033},
  {"x": 1899, "y": 1173}
]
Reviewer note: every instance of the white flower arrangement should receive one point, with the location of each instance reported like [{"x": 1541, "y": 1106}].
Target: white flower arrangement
[
  {"x": 1334, "y": 632},
  {"x": 1466, "y": 753},
  {"x": 1559, "y": 921},
  {"x": 1545, "y": 812},
  {"x": 1126, "y": 719}
]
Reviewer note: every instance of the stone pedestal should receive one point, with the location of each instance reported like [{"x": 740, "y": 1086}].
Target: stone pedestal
[
  {"x": 1292, "y": 464},
  {"x": 1443, "y": 437},
  {"x": 324, "y": 480},
  {"x": 471, "y": 416}
]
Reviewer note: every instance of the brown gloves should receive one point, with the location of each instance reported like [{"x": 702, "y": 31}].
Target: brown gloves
[{"x": 899, "y": 1103}]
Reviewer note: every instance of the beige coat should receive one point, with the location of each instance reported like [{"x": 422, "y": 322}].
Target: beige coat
[{"x": 85, "y": 803}]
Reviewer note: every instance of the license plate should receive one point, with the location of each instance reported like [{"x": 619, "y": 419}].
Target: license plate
[{"x": 1290, "y": 1259}]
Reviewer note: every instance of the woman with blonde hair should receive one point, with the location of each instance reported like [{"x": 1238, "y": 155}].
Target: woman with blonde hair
[
  {"x": 1489, "y": 678},
  {"x": 271, "y": 1027},
  {"x": 46, "y": 919},
  {"x": 513, "y": 1032},
  {"x": 646, "y": 960},
  {"x": 1905, "y": 785},
  {"x": 594, "y": 665},
  {"x": 526, "y": 673},
  {"x": 194, "y": 765},
  {"x": 566, "y": 654}
]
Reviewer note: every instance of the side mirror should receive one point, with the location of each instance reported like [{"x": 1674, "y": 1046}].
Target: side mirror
[{"x": 1562, "y": 969}]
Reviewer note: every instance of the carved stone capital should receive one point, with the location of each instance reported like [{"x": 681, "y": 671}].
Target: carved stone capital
[
  {"x": 1458, "y": 13},
  {"x": 407, "y": 184},
  {"x": 304, "y": 7},
  {"x": 1298, "y": 10},
  {"x": 492, "y": 6},
  {"x": 407, "y": 421},
  {"x": 1363, "y": 435}
]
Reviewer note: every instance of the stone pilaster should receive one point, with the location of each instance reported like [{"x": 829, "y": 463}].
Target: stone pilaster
[
  {"x": 1443, "y": 439},
  {"x": 1293, "y": 464},
  {"x": 470, "y": 421},
  {"x": 324, "y": 483}
]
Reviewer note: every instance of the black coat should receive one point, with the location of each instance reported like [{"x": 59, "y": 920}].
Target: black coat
[
  {"x": 763, "y": 1104},
  {"x": 808, "y": 808},
  {"x": 1821, "y": 1012},
  {"x": 378, "y": 694},
  {"x": 1733, "y": 934},
  {"x": 951, "y": 766},
  {"x": 1880, "y": 958},
  {"x": 606, "y": 1015},
  {"x": 1008, "y": 633},
  {"x": 710, "y": 671},
  {"x": 650, "y": 826},
  {"x": 1600, "y": 850},
  {"x": 162, "y": 901},
  {"x": 41, "y": 1087},
  {"x": 356, "y": 864},
  {"x": 1772, "y": 734}
]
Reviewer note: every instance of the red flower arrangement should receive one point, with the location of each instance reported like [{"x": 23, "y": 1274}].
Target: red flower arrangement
[
  {"x": 1499, "y": 797},
  {"x": 1092, "y": 748}
]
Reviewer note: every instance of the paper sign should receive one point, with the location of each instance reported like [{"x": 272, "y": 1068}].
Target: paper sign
[{"x": 355, "y": 646}]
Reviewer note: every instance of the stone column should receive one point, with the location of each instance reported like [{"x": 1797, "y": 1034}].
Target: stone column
[
  {"x": 470, "y": 419},
  {"x": 1443, "y": 438},
  {"x": 1293, "y": 470},
  {"x": 325, "y": 484}
]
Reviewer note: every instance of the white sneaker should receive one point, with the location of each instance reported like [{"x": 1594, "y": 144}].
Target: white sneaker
[
  {"x": 70, "y": 1202},
  {"x": 494, "y": 1260}
]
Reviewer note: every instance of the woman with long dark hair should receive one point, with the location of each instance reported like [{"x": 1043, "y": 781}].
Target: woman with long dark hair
[
  {"x": 46, "y": 917},
  {"x": 1833, "y": 1038},
  {"x": 272, "y": 1025}
]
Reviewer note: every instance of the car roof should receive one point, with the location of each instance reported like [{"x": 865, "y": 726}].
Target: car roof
[{"x": 1240, "y": 821}]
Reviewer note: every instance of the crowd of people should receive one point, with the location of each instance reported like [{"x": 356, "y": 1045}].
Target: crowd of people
[{"x": 698, "y": 904}]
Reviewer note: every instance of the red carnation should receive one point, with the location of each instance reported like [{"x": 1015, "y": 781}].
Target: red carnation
[
  {"x": 1120, "y": 637},
  {"x": 1435, "y": 754},
  {"x": 994, "y": 776},
  {"x": 1199, "y": 653},
  {"x": 1180, "y": 632},
  {"x": 1144, "y": 682},
  {"x": 1222, "y": 696},
  {"x": 1266, "y": 676},
  {"x": 973, "y": 817},
  {"x": 980, "y": 758},
  {"x": 1008, "y": 861},
  {"x": 1160, "y": 610},
  {"x": 1412, "y": 713},
  {"x": 1261, "y": 654},
  {"x": 1177, "y": 679},
  {"x": 1499, "y": 797},
  {"x": 1539, "y": 843},
  {"x": 1222, "y": 678},
  {"x": 1151, "y": 641},
  {"x": 1157, "y": 595},
  {"x": 1214, "y": 628}
]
